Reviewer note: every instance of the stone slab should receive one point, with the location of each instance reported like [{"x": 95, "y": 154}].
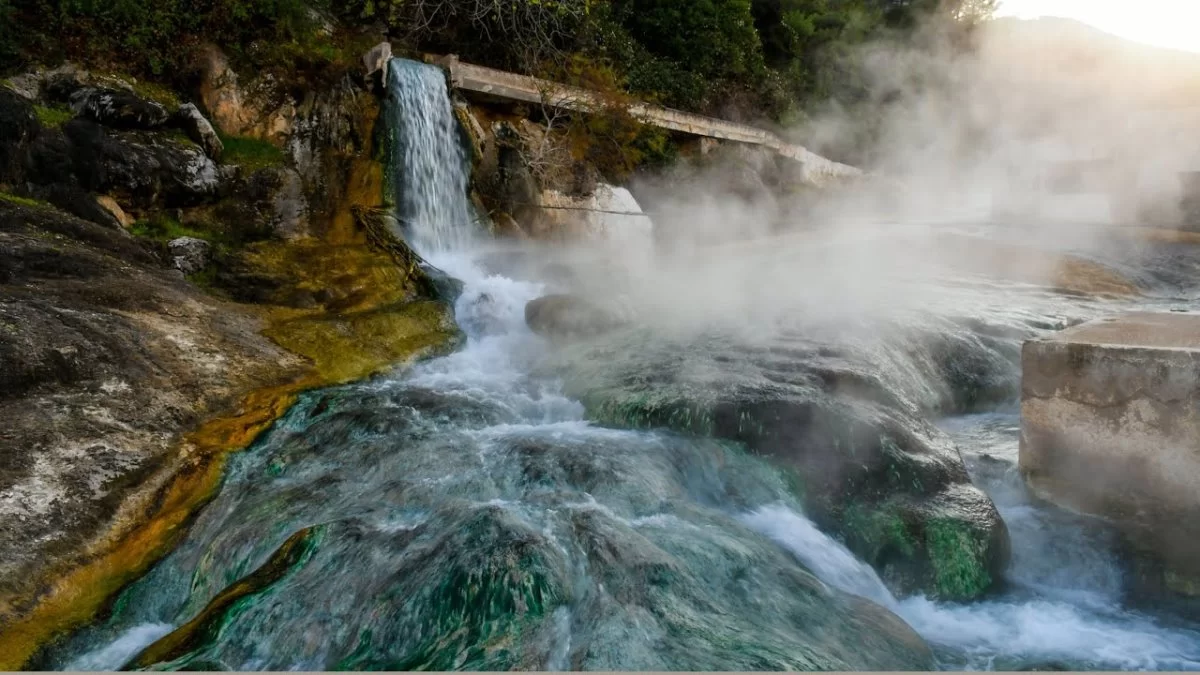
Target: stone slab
[{"x": 1154, "y": 330}]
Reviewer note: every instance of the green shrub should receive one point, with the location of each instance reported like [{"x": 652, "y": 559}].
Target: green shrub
[
  {"x": 52, "y": 117},
  {"x": 22, "y": 201},
  {"x": 250, "y": 153},
  {"x": 152, "y": 37},
  {"x": 165, "y": 228}
]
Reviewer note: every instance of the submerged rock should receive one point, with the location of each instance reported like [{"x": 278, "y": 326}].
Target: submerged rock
[
  {"x": 865, "y": 462},
  {"x": 566, "y": 316},
  {"x": 573, "y": 548}
]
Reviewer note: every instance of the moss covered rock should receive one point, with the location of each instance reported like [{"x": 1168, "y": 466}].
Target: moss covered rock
[{"x": 867, "y": 465}]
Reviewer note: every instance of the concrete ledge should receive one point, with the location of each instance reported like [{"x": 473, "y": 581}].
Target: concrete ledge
[
  {"x": 498, "y": 83},
  {"x": 1111, "y": 426}
]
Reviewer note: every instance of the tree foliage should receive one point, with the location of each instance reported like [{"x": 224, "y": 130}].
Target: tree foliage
[
  {"x": 766, "y": 58},
  {"x": 151, "y": 36}
]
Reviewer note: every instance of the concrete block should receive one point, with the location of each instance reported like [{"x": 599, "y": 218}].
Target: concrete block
[{"x": 1111, "y": 426}]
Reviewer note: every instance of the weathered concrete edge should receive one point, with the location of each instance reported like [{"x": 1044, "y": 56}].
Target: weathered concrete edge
[
  {"x": 480, "y": 79},
  {"x": 1136, "y": 476},
  {"x": 1039, "y": 385}
]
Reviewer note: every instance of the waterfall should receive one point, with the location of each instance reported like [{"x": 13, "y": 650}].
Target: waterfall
[{"x": 429, "y": 166}]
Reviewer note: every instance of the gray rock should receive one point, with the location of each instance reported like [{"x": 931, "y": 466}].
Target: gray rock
[
  {"x": 197, "y": 127},
  {"x": 27, "y": 85},
  {"x": 118, "y": 109},
  {"x": 376, "y": 61},
  {"x": 59, "y": 84},
  {"x": 567, "y": 316},
  {"x": 289, "y": 208},
  {"x": 138, "y": 168},
  {"x": 190, "y": 254},
  {"x": 107, "y": 360}
]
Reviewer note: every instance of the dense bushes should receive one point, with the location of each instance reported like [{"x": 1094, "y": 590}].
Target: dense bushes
[
  {"x": 760, "y": 57},
  {"x": 149, "y": 36}
]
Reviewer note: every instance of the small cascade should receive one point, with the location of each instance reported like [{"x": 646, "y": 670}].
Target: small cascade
[{"x": 430, "y": 170}]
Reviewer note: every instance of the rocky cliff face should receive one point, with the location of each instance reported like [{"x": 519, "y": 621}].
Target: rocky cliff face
[{"x": 165, "y": 291}]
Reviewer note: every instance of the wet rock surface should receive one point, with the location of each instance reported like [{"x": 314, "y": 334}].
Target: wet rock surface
[
  {"x": 581, "y": 549},
  {"x": 108, "y": 358},
  {"x": 566, "y": 316},
  {"x": 867, "y": 464}
]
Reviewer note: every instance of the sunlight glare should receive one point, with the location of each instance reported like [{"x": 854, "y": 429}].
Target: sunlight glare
[{"x": 1162, "y": 23}]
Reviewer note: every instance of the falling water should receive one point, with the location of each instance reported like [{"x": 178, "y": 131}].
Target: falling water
[{"x": 429, "y": 168}]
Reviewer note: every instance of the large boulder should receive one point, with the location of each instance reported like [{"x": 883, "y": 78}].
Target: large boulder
[
  {"x": 118, "y": 109},
  {"x": 25, "y": 85},
  {"x": 139, "y": 168},
  {"x": 189, "y": 254},
  {"x": 863, "y": 459},
  {"x": 566, "y": 316},
  {"x": 59, "y": 84}
]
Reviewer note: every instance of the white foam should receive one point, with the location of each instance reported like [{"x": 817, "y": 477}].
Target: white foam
[
  {"x": 117, "y": 653},
  {"x": 1043, "y": 629}
]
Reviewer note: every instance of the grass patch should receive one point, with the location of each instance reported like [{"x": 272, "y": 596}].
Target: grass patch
[
  {"x": 53, "y": 117},
  {"x": 23, "y": 201},
  {"x": 179, "y": 136},
  {"x": 147, "y": 90},
  {"x": 207, "y": 279},
  {"x": 164, "y": 228},
  {"x": 157, "y": 93},
  {"x": 250, "y": 153}
]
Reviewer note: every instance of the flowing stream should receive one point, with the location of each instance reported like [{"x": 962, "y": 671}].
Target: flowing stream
[{"x": 462, "y": 514}]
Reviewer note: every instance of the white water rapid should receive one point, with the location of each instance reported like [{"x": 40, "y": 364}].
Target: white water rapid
[{"x": 1043, "y": 624}]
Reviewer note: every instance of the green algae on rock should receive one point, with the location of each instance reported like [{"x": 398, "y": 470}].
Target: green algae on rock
[
  {"x": 584, "y": 548},
  {"x": 874, "y": 471}
]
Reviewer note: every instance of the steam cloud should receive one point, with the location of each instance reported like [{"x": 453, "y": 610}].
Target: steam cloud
[{"x": 997, "y": 161}]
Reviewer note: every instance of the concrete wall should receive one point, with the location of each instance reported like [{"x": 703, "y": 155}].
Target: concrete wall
[
  {"x": 511, "y": 86},
  {"x": 1111, "y": 426}
]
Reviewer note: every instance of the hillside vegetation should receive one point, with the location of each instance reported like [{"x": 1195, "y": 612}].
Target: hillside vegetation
[{"x": 737, "y": 58}]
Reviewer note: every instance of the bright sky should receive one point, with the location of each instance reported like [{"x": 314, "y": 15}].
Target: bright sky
[{"x": 1163, "y": 23}]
